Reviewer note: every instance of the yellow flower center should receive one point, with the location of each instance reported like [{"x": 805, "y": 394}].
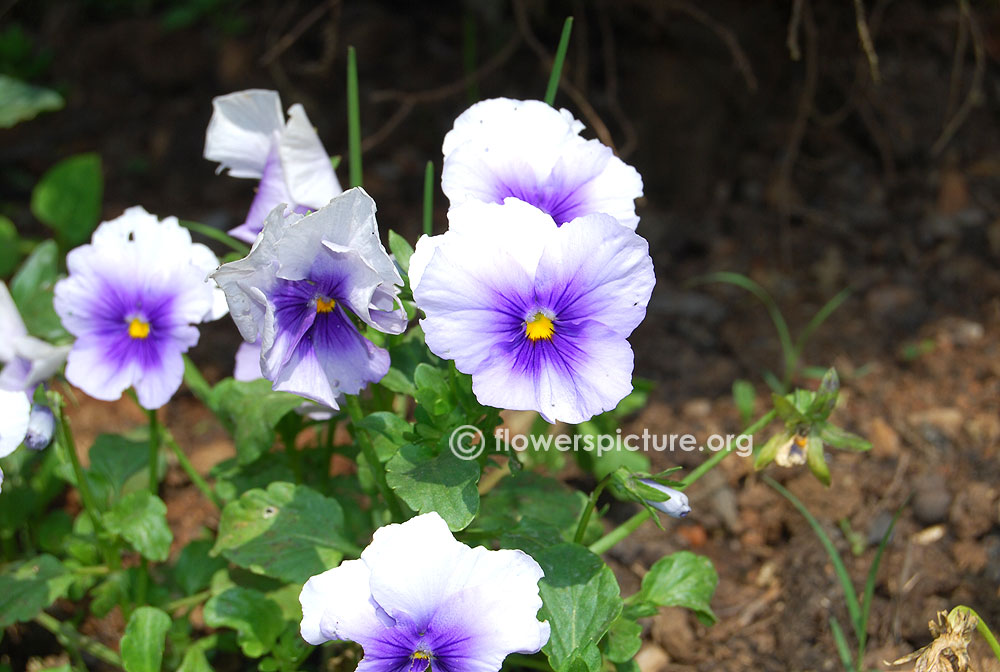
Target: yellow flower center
[
  {"x": 539, "y": 327},
  {"x": 324, "y": 305},
  {"x": 421, "y": 655},
  {"x": 137, "y": 328}
]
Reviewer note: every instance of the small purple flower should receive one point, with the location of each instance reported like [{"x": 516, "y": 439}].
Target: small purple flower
[
  {"x": 248, "y": 135},
  {"x": 676, "y": 507},
  {"x": 295, "y": 288},
  {"x": 41, "y": 427},
  {"x": 132, "y": 299},
  {"x": 27, "y": 360},
  {"x": 537, "y": 314},
  {"x": 15, "y": 409},
  {"x": 528, "y": 150},
  {"x": 420, "y": 600}
]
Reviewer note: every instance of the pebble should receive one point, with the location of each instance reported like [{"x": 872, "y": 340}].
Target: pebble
[
  {"x": 931, "y": 499},
  {"x": 946, "y": 420},
  {"x": 885, "y": 440},
  {"x": 651, "y": 658},
  {"x": 878, "y": 527}
]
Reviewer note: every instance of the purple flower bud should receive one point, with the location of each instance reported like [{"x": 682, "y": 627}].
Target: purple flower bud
[
  {"x": 41, "y": 426},
  {"x": 677, "y": 506}
]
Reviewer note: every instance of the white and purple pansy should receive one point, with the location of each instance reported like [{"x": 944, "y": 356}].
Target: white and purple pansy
[
  {"x": 297, "y": 289},
  {"x": 27, "y": 360},
  {"x": 132, "y": 299},
  {"x": 446, "y": 608},
  {"x": 528, "y": 150},
  {"x": 538, "y": 314},
  {"x": 15, "y": 409},
  {"x": 248, "y": 135}
]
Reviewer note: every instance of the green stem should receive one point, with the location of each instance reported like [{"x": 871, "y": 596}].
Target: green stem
[
  {"x": 710, "y": 463},
  {"x": 353, "y": 405},
  {"x": 154, "y": 452},
  {"x": 215, "y": 234},
  {"x": 196, "y": 382},
  {"x": 983, "y": 629},
  {"x": 292, "y": 452},
  {"x": 557, "y": 63},
  {"x": 69, "y": 637},
  {"x": 609, "y": 540},
  {"x": 189, "y": 601},
  {"x": 429, "y": 199},
  {"x": 353, "y": 120},
  {"x": 189, "y": 469},
  {"x": 581, "y": 528}
]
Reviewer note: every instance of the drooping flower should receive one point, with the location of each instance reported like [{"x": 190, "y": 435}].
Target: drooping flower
[
  {"x": 132, "y": 299},
  {"x": 537, "y": 314},
  {"x": 27, "y": 360},
  {"x": 528, "y": 150},
  {"x": 248, "y": 135},
  {"x": 676, "y": 507},
  {"x": 419, "y": 600},
  {"x": 41, "y": 427},
  {"x": 14, "y": 412},
  {"x": 295, "y": 288}
]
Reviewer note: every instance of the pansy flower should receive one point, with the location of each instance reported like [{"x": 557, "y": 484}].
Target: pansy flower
[
  {"x": 536, "y": 313},
  {"x": 420, "y": 600},
  {"x": 132, "y": 299},
  {"x": 299, "y": 286},
  {"x": 248, "y": 135},
  {"x": 528, "y": 150},
  {"x": 15, "y": 409},
  {"x": 27, "y": 360}
]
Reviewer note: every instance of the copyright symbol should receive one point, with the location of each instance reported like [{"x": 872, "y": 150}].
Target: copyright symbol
[{"x": 466, "y": 442}]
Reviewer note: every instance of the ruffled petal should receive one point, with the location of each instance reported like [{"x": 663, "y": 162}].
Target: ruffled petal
[
  {"x": 161, "y": 376},
  {"x": 94, "y": 367},
  {"x": 248, "y": 362},
  {"x": 15, "y": 409},
  {"x": 242, "y": 129},
  {"x": 531, "y": 128},
  {"x": 338, "y": 605},
  {"x": 308, "y": 172},
  {"x": 35, "y": 361},
  {"x": 11, "y": 324},
  {"x": 272, "y": 191},
  {"x": 596, "y": 269}
]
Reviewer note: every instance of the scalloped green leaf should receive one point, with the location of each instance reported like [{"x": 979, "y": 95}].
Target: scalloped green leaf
[
  {"x": 140, "y": 518},
  {"x": 144, "y": 638},
  {"x": 30, "y": 586},
  {"x": 442, "y": 483},
  {"x": 682, "y": 579}
]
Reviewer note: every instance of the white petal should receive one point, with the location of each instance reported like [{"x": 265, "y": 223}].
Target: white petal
[
  {"x": 11, "y": 325},
  {"x": 516, "y": 126},
  {"x": 337, "y": 605},
  {"x": 241, "y": 130},
  {"x": 308, "y": 171},
  {"x": 15, "y": 409},
  {"x": 248, "y": 362},
  {"x": 205, "y": 260}
]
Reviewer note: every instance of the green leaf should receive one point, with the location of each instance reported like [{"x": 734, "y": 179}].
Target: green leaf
[
  {"x": 581, "y": 600},
  {"x": 825, "y": 397},
  {"x": 143, "y": 641},
  {"x": 532, "y": 497},
  {"x": 68, "y": 198},
  {"x": 745, "y": 397},
  {"x": 682, "y": 579},
  {"x": 816, "y": 460},
  {"x": 250, "y": 410},
  {"x": 140, "y": 518},
  {"x": 769, "y": 450},
  {"x": 114, "y": 462},
  {"x": 30, "y": 586},
  {"x": 786, "y": 409},
  {"x": 387, "y": 431},
  {"x": 233, "y": 479},
  {"x": 442, "y": 483},
  {"x": 288, "y": 532},
  {"x": 10, "y": 253},
  {"x": 624, "y": 640},
  {"x": 433, "y": 392},
  {"x": 401, "y": 249},
  {"x": 842, "y": 439},
  {"x": 31, "y": 288},
  {"x": 195, "y": 567},
  {"x": 20, "y": 101},
  {"x": 255, "y": 617},
  {"x": 114, "y": 590},
  {"x": 195, "y": 659}
]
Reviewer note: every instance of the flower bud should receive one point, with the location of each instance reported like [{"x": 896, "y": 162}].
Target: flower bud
[
  {"x": 677, "y": 506},
  {"x": 41, "y": 426}
]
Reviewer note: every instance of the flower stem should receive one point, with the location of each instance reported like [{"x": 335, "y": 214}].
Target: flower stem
[
  {"x": 429, "y": 199},
  {"x": 189, "y": 469},
  {"x": 189, "y": 601},
  {"x": 154, "y": 452},
  {"x": 612, "y": 538},
  {"x": 69, "y": 637},
  {"x": 981, "y": 626},
  {"x": 213, "y": 233},
  {"x": 353, "y": 405},
  {"x": 581, "y": 528},
  {"x": 557, "y": 63},
  {"x": 196, "y": 382},
  {"x": 353, "y": 120}
]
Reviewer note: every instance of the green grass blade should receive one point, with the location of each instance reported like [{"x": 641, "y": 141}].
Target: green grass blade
[
  {"x": 353, "y": 120},
  {"x": 818, "y": 319},
  {"x": 215, "y": 234},
  {"x": 841, "y": 642},
  {"x": 850, "y": 596},
  {"x": 866, "y": 599},
  {"x": 784, "y": 336},
  {"x": 429, "y": 198},
  {"x": 557, "y": 63}
]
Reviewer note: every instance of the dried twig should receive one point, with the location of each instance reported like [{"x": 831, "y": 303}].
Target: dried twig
[
  {"x": 975, "y": 94},
  {"x": 803, "y": 110},
  {"x": 727, "y": 36},
  {"x": 611, "y": 82},
  {"x": 793, "y": 31},
  {"x": 865, "y": 36},
  {"x": 307, "y": 21}
]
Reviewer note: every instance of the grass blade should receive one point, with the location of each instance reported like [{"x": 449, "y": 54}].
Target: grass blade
[
  {"x": 784, "y": 336},
  {"x": 353, "y": 120},
  {"x": 818, "y": 319},
  {"x": 429, "y": 198},
  {"x": 850, "y": 596},
  {"x": 841, "y": 642},
  {"x": 557, "y": 63},
  {"x": 866, "y": 599},
  {"x": 215, "y": 234}
]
